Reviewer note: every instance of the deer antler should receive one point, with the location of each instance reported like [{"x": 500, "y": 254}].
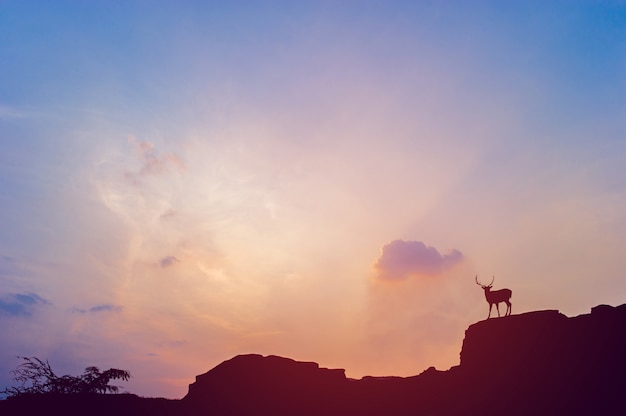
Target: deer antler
[{"x": 494, "y": 278}]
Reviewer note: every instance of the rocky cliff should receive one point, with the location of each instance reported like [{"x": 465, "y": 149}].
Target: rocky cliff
[
  {"x": 537, "y": 363},
  {"x": 247, "y": 383},
  {"x": 546, "y": 363}
]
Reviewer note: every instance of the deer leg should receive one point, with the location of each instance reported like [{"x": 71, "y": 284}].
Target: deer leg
[
  {"x": 498, "y": 309},
  {"x": 508, "y": 308},
  {"x": 490, "y": 306}
]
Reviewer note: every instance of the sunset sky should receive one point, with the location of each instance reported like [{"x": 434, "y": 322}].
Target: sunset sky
[{"x": 182, "y": 182}]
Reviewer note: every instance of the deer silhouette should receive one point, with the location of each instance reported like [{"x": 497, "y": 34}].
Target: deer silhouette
[{"x": 496, "y": 297}]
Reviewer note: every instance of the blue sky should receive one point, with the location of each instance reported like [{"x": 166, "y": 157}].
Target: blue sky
[{"x": 182, "y": 182}]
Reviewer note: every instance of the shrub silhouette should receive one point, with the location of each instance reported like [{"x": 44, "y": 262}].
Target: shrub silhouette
[{"x": 35, "y": 376}]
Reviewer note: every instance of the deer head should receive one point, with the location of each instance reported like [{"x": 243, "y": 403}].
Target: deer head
[{"x": 486, "y": 287}]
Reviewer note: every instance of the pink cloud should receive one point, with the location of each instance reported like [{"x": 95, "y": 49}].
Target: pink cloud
[
  {"x": 152, "y": 162},
  {"x": 400, "y": 259}
]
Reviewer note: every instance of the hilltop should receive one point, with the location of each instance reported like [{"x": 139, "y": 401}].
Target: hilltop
[{"x": 540, "y": 363}]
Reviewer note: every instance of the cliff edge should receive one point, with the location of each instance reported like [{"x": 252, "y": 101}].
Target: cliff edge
[
  {"x": 540, "y": 362},
  {"x": 536, "y": 363}
]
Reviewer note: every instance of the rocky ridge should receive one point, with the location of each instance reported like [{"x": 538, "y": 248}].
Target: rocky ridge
[{"x": 539, "y": 363}]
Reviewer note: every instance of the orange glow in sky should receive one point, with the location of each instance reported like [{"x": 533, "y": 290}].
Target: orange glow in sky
[{"x": 318, "y": 180}]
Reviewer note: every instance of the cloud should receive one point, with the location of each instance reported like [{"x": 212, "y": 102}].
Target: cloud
[
  {"x": 20, "y": 304},
  {"x": 100, "y": 309},
  {"x": 168, "y": 261},
  {"x": 152, "y": 162},
  {"x": 400, "y": 259},
  {"x": 105, "y": 308}
]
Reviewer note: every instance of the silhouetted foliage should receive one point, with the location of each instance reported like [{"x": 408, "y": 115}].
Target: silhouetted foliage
[{"x": 35, "y": 376}]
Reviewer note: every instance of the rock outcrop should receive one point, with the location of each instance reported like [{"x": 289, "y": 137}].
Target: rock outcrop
[
  {"x": 546, "y": 363},
  {"x": 537, "y": 363},
  {"x": 534, "y": 363},
  {"x": 248, "y": 383}
]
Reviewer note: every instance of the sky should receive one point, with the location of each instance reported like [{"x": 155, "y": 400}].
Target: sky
[{"x": 182, "y": 182}]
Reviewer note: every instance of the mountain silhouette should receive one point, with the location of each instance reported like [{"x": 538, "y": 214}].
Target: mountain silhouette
[{"x": 536, "y": 363}]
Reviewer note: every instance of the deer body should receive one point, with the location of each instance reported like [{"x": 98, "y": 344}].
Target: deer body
[{"x": 496, "y": 297}]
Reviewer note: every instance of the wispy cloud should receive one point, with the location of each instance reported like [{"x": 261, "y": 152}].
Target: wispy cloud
[
  {"x": 168, "y": 261},
  {"x": 153, "y": 163},
  {"x": 100, "y": 309},
  {"x": 105, "y": 308},
  {"x": 400, "y": 259},
  {"x": 21, "y": 304}
]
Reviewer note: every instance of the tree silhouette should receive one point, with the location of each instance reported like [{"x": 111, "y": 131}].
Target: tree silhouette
[{"x": 35, "y": 376}]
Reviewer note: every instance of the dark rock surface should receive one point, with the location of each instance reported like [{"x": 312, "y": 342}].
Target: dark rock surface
[
  {"x": 537, "y": 363},
  {"x": 545, "y": 363},
  {"x": 278, "y": 385}
]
